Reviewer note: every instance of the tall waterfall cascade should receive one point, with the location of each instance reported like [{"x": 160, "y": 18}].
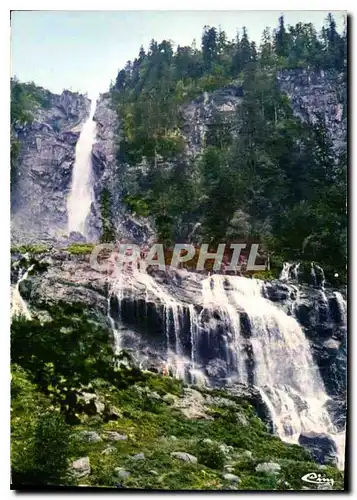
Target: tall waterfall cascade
[
  {"x": 81, "y": 195},
  {"x": 275, "y": 356}
]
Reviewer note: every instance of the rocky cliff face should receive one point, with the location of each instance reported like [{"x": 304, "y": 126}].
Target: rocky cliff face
[
  {"x": 143, "y": 311},
  {"x": 48, "y": 145},
  {"x": 43, "y": 175},
  {"x": 313, "y": 95},
  {"x": 106, "y": 174},
  {"x": 318, "y": 94}
]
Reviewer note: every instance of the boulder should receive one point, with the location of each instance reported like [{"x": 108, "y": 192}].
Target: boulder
[
  {"x": 139, "y": 456},
  {"x": 268, "y": 468},
  {"x": 225, "y": 449},
  {"x": 322, "y": 447},
  {"x": 231, "y": 477},
  {"x": 185, "y": 457},
  {"x": 90, "y": 436},
  {"x": 192, "y": 405},
  {"x": 115, "y": 436},
  {"x": 81, "y": 467},
  {"x": 122, "y": 473}
]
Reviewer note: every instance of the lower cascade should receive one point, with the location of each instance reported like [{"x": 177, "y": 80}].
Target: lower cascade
[
  {"x": 81, "y": 195},
  {"x": 18, "y": 304},
  {"x": 233, "y": 328}
]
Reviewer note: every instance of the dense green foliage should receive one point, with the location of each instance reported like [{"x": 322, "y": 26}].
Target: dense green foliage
[
  {"x": 108, "y": 231},
  {"x": 150, "y": 422},
  {"x": 263, "y": 174}
]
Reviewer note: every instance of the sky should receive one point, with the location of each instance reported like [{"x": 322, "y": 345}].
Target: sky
[{"x": 83, "y": 50}]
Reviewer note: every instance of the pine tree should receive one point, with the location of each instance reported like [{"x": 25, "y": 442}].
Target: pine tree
[
  {"x": 281, "y": 39},
  {"x": 209, "y": 47}
]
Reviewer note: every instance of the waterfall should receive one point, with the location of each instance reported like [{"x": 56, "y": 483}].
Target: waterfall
[
  {"x": 81, "y": 195},
  {"x": 285, "y": 272},
  {"x": 290, "y": 271},
  {"x": 215, "y": 296},
  {"x": 179, "y": 365},
  {"x": 284, "y": 369},
  {"x": 18, "y": 304},
  {"x": 258, "y": 343},
  {"x": 342, "y": 307}
]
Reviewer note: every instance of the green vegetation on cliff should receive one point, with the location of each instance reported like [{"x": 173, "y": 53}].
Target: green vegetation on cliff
[{"x": 264, "y": 174}]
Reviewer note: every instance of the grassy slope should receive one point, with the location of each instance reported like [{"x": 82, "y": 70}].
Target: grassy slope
[{"x": 149, "y": 424}]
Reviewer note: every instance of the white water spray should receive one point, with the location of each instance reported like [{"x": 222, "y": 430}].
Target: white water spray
[
  {"x": 81, "y": 195},
  {"x": 284, "y": 371},
  {"x": 18, "y": 305},
  {"x": 283, "y": 367},
  {"x": 342, "y": 305},
  {"x": 290, "y": 272}
]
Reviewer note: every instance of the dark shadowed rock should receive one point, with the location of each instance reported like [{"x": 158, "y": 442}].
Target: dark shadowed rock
[{"x": 321, "y": 446}]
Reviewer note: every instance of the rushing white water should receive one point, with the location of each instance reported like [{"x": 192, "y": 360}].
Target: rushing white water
[
  {"x": 178, "y": 365},
  {"x": 18, "y": 304},
  {"x": 284, "y": 369},
  {"x": 290, "y": 271},
  {"x": 342, "y": 307},
  {"x": 285, "y": 272},
  {"x": 81, "y": 195},
  {"x": 275, "y": 355}
]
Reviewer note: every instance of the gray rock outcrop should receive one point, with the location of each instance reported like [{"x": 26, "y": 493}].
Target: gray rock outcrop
[{"x": 44, "y": 168}]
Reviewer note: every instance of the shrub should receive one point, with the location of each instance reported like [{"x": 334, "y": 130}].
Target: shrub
[
  {"x": 80, "y": 248},
  {"x": 43, "y": 458},
  {"x": 210, "y": 455},
  {"x": 51, "y": 449},
  {"x": 29, "y": 249}
]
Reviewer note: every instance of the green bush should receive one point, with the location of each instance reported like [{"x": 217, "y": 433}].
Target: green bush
[
  {"x": 210, "y": 455},
  {"x": 42, "y": 459},
  {"x": 39, "y": 248},
  {"x": 51, "y": 449},
  {"x": 80, "y": 248}
]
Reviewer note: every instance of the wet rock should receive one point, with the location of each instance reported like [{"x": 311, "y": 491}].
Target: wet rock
[
  {"x": 45, "y": 163},
  {"x": 253, "y": 395},
  {"x": 322, "y": 447},
  {"x": 185, "y": 457}
]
